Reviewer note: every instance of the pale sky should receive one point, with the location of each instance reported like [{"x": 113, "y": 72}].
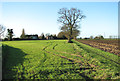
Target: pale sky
[{"x": 41, "y": 17}]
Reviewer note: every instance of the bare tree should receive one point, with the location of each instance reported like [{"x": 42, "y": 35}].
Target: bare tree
[
  {"x": 2, "y": 29},
  {"x": 70, "y": 18}
]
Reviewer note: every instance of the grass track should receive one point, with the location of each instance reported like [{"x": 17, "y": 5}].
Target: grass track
[{"x": 57, "y": 59}]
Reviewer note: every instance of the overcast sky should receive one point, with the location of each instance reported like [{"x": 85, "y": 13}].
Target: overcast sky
[{"x": 41, "y": 17}]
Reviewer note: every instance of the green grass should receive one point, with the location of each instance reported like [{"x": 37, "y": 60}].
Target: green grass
[{"x": 57, "y": 59}]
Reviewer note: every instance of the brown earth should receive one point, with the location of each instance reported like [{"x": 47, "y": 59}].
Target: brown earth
[{"x": 111, "y": 46}]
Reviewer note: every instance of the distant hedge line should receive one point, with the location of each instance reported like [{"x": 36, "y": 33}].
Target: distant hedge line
[{"x": 14, "y": 39}]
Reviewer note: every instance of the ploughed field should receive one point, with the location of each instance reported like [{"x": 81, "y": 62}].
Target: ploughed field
[
  {"x": 108, "y": 45},
  {"x": 57, "y": 59}
]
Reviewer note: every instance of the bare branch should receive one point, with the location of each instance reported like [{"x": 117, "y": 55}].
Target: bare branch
[{"x": 2, "y": 29}]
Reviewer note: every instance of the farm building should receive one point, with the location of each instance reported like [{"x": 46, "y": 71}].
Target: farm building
[
  {"x": 49, "y": 37},
  {"x": 32, "y": 36}
]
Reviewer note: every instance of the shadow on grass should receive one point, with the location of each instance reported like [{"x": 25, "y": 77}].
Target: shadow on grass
[{"x": 11, "y": 57}]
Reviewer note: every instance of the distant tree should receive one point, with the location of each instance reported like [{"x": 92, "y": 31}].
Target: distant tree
[
  {"x": 70, "y": 18},
  {"x": 110, "y": 36},
  {"x": 23, "y": 36},
  {"x": 10, "y": 34},
  {"x": 96, "y": 37},
  {"x": 2, "y": 29},
  {"x": 86, "y": 38},
  {"x": 99, "y": 37},
  {"x": 80, "y": 38},
  {"x": 54, "y": 36},
  {"x": 42, "y": 36},
  {"x": 91, "y": 37},
  {"x": 47, "y": 34}
]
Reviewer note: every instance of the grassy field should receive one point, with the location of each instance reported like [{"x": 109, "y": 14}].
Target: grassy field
[{"x": 57, "y": 59}]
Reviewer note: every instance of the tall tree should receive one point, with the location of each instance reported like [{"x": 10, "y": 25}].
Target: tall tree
[
  {"x": 10, "y": 34},
  {"x": 23, "y": 34},
  {"x": 42, "y": 36},
  {"x": 70, "y": 18}
]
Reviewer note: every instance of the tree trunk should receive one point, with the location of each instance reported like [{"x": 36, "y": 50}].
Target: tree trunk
[
  {"x": 10, "y": 37},
  {"x": 69, "y": 40}
]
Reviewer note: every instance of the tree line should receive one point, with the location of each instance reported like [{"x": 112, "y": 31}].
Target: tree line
[
  {"x": 24, "y": 36},
  {"x": 61, "y": 35}
]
